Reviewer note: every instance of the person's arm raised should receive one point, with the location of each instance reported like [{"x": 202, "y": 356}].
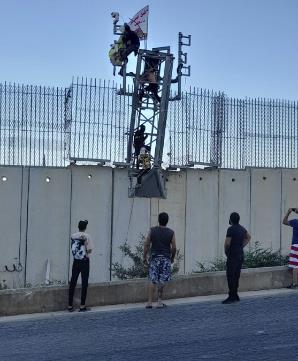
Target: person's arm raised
[{"x": 285, "y": 220}]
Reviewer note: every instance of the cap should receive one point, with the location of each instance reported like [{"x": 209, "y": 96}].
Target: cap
[{"x": 82, "y": 224}]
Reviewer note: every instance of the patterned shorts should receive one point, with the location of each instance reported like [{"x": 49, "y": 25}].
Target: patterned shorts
[{"x": 160, "y": 270}]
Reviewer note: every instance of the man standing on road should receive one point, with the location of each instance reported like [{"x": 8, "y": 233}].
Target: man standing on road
[
  {"x": 81, "y": 247},
  {"x": 162, "y": 244},
  {"x": 236, "y": 239},
  {"x": 293, "y": 258}
]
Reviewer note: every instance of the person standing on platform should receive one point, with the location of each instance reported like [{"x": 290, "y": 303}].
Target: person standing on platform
[{"x": 139, "y": 141}]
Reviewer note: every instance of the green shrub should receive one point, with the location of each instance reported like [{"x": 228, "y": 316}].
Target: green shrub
[
  {"x": 253, "y": 258},
  {"x": 137, "y": 268}
]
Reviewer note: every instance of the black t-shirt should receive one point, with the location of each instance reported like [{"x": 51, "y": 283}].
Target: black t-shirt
[
  {"x": 139, "y": 138},
  {"x": 237, "y": 234}
]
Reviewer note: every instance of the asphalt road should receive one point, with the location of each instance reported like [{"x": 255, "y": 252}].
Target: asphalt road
[{"x": 258, "y": 328}]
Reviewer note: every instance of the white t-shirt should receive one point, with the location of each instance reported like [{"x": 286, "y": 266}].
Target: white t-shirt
[{"x": 87, "y": 243}]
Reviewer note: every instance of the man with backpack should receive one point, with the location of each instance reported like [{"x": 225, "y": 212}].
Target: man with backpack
[{"x": 81, "y": 247}]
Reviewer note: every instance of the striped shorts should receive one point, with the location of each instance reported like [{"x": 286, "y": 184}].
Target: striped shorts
[{"x": 293, "y": 257}]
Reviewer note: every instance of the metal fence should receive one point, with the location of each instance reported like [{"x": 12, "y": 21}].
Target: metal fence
[
  {"x": 100, "y": 120},
  {"x": 31, "y": 125},
  {"x": 211, "y": 128},
  {"x": 90, "y": 120}
]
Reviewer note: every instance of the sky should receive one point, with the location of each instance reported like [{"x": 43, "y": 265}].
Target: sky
[{"x": 245, "y": 48}]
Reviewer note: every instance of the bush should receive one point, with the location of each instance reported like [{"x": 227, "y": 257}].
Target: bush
[
  {"x": 137, "y": 269},
  {"x": 253, "y": 258}
]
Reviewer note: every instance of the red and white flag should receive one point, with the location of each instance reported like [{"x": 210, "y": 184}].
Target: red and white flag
[{"x": 139, "y": 23}]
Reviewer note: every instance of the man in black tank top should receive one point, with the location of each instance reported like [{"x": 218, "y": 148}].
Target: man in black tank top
[
  {"x": 236, "y": 239},
  {"x": 162, "y": 244}
]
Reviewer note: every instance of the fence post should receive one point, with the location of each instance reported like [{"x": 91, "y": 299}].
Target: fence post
[
  {"x": 217, "y": 132},
  {"x": 67, "y": 122}
]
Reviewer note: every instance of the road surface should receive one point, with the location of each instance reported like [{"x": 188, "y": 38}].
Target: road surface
[{"x": 261, "y": 327}]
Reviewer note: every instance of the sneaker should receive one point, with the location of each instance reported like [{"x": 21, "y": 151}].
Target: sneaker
[
  {"x": 292, "y": 286},
  {"x": 83, "y": 309},
  {"x": 237, "y": 298}
]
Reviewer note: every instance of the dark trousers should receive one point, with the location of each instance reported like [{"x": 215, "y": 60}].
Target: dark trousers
[
  {"x": 79, "y": 266},
  {"x": 234, "y": 264}
]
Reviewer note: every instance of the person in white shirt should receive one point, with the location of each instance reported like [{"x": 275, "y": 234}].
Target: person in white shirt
[{"x": 81, "y": 247}]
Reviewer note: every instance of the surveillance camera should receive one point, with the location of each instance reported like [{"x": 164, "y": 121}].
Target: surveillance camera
[{"x": 115, "y": 16}]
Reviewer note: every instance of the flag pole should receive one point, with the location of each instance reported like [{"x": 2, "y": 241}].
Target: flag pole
[{"x": 147, "y": 29}]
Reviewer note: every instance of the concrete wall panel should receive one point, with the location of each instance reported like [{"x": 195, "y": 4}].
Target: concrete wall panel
[
  {"x": 48, "y": 224},
  {"x": 201, "y": 237},
  {"x": 13, "y": 198},
  {"x": 174, "y": 205},
  {"x": 289, "y": 200},
  {"x": 266, "y": 207},
  {"x": 131, "y": 216},
  {"x": 234, "y": 196},
  {"x": 91, "y": 198}
]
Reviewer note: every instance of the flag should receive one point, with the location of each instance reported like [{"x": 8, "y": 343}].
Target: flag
[{"x": 139, "y": 23}]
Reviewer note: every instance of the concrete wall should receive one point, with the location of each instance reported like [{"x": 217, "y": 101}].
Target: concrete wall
[
  {"x": 91, "y": 198},
  {"x": 38, "y": 217},
  {"x": 48, "y": 224},
  {"x": 131, "y": 217},
  {"x": 13, "y": 219},
  {"x": 266, "y": 206},
  {"x": 201, "y": 233}
]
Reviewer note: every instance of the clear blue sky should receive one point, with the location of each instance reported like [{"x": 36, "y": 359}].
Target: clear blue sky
[{"x": 242, "y": 47}]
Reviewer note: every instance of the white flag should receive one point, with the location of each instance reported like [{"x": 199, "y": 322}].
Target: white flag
[{"x": 139, "y": 23}]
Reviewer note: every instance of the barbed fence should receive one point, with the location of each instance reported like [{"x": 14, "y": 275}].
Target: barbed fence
[
  {"x": 89, "y": 121},
  {"x": 31, "y": 125}
]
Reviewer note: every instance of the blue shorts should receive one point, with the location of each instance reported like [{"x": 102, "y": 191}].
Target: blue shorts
[{"x": 160, "y": 269}]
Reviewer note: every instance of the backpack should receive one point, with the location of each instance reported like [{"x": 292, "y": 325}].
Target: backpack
[
  {"x": 116, "y": 52},
  {"x": 78, "y": 249}
]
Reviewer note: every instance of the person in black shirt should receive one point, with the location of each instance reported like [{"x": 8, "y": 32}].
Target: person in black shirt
[
  {"x": 139, "y": 141},
  {"x": 131, "y": 44},
  {"x": 162, "y": 245},
  {"x": 236, "y": 239}
]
